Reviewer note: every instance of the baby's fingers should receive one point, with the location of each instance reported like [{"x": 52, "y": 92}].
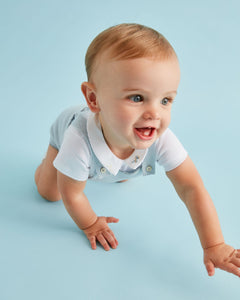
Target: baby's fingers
[
  {"x": 109, "y": 236},
  {"x": 237, "y": 253},
  {"x": 231, "y": 268},
  {"x": 236, "y": 261},
  {"x": 235, "y": 258},
  {"x": 92, "y": 241},
  {"x": 210, "y": 268},
  {"x": 103, "y": 241},
  {"x": 111, "y": 220}
]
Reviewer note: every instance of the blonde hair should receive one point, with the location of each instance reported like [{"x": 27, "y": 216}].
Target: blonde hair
[{"x": 128, "y": 41}]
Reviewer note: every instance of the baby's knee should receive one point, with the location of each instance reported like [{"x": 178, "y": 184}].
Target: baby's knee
[{"x": 48, "y": 193}]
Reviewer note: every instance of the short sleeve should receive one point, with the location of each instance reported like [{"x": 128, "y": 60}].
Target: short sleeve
[
  {"x": 73, "y": 158},
  {"x": 170, "y": 153}
]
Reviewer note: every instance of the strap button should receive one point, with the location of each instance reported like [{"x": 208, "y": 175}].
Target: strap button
[
  {"x": 103, "y": 170},
  {"x": 148, "y": 168}
]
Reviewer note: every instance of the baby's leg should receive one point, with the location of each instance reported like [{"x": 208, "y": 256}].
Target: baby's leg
[{"x": 46, "y": 177}]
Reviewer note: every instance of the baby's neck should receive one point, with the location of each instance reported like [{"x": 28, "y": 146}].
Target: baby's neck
[{"x": 122, "y": 154}]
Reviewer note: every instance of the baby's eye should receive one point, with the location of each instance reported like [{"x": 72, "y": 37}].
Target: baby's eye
[
  {"x": 136, "y": 98},
  {"x": 165, "y": 101}
]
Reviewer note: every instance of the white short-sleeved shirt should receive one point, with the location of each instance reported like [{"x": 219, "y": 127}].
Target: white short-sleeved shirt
[{"x": 74, "y": 156}]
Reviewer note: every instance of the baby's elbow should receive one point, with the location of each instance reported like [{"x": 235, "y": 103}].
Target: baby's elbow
[{"x": 192, "y": 193}]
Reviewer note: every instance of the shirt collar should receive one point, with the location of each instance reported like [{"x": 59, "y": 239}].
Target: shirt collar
[{"x": 110, "y": 161}]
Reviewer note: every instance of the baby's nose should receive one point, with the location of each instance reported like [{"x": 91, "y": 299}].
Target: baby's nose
[{"x": 151, "y": 113}]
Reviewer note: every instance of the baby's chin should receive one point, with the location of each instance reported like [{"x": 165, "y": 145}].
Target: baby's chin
[{"x": 144, "y": 145}]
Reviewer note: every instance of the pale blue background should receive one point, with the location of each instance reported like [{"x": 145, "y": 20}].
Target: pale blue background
[{"x": 43, "y": 255}]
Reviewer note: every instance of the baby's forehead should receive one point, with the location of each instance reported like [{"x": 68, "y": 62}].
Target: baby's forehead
[
  {"x": 137, "y": 72},
  {"x": 107, "y": 58}
]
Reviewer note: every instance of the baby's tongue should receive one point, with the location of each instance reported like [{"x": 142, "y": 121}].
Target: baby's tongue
[{"x": 144, "y": 131}]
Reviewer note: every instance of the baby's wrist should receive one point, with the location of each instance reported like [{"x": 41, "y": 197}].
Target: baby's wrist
[
  {"x": 214, "y": 245},
  {"x": 90, "y": 224}
]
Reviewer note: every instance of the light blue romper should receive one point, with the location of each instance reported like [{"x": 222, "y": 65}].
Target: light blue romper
[{"x": 77, "y": 117}]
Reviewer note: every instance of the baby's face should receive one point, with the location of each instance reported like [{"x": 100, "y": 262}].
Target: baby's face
[{"x": 135, "y": 98}]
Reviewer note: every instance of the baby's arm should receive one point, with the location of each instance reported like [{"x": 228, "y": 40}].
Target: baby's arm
[
  {"x": 191, "y": 190},
  {"x": 96, "y": 228}
]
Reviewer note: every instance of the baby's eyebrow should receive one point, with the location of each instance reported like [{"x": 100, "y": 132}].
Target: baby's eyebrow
[
  {"x": 173, "y": 92},
  {"x": 133, "y": 89}
]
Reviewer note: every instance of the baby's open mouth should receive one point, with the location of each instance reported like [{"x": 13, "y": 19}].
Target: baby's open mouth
[{"x": 145, "y": 133}]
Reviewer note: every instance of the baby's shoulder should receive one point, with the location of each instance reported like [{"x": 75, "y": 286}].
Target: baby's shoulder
[{"x": 77, "y": 137}]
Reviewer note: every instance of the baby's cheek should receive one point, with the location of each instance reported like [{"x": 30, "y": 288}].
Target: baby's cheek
[
  {"x": 166, "y": 120},
  {"x": 123, "y": 119}
]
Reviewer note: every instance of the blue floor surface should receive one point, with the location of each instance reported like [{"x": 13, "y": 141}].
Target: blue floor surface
[{"x": 43, "y": 255}]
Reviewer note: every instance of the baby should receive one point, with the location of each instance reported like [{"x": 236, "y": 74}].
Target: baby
[{"x": 133, "y": 77}]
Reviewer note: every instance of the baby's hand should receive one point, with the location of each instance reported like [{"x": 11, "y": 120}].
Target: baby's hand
[
  {"x": 100, "y": 232},
  {"x": 224, "y": 257}
]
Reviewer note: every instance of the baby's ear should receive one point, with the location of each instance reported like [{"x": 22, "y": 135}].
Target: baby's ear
[{"x": 89, "y": 93}]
